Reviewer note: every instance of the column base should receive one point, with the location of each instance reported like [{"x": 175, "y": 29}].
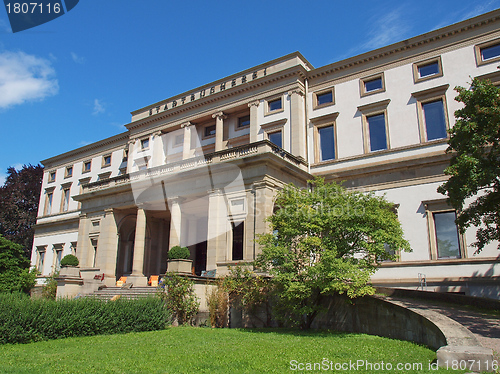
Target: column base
[{"x": 138, "y": 280}]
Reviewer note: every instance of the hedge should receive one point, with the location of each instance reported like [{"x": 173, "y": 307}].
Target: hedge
[{"x": 25, "y": 320}]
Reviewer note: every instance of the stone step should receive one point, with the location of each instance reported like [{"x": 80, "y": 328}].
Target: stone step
[{"x": 128, "y": 293}]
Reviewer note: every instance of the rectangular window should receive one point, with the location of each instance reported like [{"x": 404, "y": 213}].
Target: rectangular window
[
  {"x": 48, "y": 203},
  {"x": 372, "y": 84},
  {"x": 145, "y": 143},
  {"x": 52, "y": 176},
  {"x": 65, "y": 201},
  {"x": 58, "y": 260},
  {"x": 41, "y": 259},
  {"x": 178, "y": 140},
  {"x": 487, "y": 52},
  {"x": 69, "y": 172},
  {"x": 87, "y": 165},
  {"x": 94, "y": 252},
  {"x": 106, "y": 160},
  {"x": 326, "y": 137},
  {"x": 435, "y": 121},
  {"x": 324, "y": 98},
  {"x": 447, "y": 237},
  {"x": 209, "y": 131},
  {"x": 427, "y": 69},
  {"x": 274, "y": 105},
  {"x": 376, "y": 132},
  {"x": 238, "y": 236},
  {"x": 276, "y": 138},
  {"x": 243, "y": 122}
]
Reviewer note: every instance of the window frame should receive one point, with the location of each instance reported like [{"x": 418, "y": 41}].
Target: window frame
[
  {"x": 417, "y": 65},
  {"x": 104, "y": 163},
  {"x": 239, "y": 121},
  {"x": 204, "y": 130},
  {"x": 68, "y": 172},
  {"x": 478, "y": 49},
  {"x": 142, "y": 141},
  {"x": 40, "y": 260},
  {"x": 49, "y": 201},
  {"x": 323, "y": 92},
  {"x": 369, "y": 110},
  {"x": 235, "y": 223},
  {"x": 441, "y": 206},
  {"x": 52, "y": 176},
  {"x": 321, "y": 122},
  {"x": 84, "y": 170},
  {"x": 65, "y": 188},
  {"x": 428, "y": 96},
  {"x": 363, "y": 81},
  {"x": 268, "y": 111},
  {"x": 269, "y": 133}
]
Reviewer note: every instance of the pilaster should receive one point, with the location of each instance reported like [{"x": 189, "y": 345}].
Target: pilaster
[
  {"x": 186, "y": 147},
  {"x": 219, "y": 130},
  {"x": 108, "y": 247},
  {"x": 137, "y": 276},
  {"x": 298, "y": 129},
  {"x": 175, "y": 222},
  {"x": 82, "y": 246},
  {"x": 254, "y": 119}
]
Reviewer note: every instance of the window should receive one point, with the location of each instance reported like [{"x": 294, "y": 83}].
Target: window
[
  {"x": 375, "y": 126},
  {"x": 48, "y": 202},
  {"x": 106, "y": 161},
  {"x": 52, "y": 176},
  {"x": 487, "y": 52},
  {"x": 179, "y": 140},
  {"x": 94, "y": 252},
  {"x": 58, "y": 259},
  {"x": 372, "y": 85},
  {"x": 427, "y": 69},
  {"x": 326, "y": 142},
  {"x": 324, "y": 98},
  {"x": 69, "y": 172},
  {"x": 73, "y": 248},
  {"x": 144, "y": 144},
  {"x": 431, "y": 111},
  {"x": 87, "y": 165},
  {"x": 209, "y": 131},
  {"x": 65, "y": 199},
  {"x": 444, "y": 238},
  {"x": 41, "y": 258},
  {"x": 243, "y": 122},
  {"x": 238, "y": 236},
  {"x": 276, "y": 138},
  {"x": 377, "y": 137},
  {"x": 274, "y": 105}
]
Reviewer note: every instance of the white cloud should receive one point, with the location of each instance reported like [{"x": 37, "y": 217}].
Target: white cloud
[
  {"x": 77, "y": 59},
  {"x": 98, "y": 107},
  {"x": 24, "y": 78}
]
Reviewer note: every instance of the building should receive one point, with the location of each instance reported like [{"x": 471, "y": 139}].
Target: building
[{"x": 201, "y": 169}]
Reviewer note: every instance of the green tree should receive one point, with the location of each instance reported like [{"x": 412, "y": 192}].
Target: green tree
[
  {"x": 474, "y": 168},
  {"x": 19, "y": 197},
  {"x": 14, "y": 268},
  {"x": 325, "y": 240}
]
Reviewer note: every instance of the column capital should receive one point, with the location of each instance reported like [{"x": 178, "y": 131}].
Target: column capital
[
  {"x": 156, "y": 134},
  {"x": 219, "y": 115},
  {"x": 186, "y": 124},
  {"x": 108, "y": 210},
  {"x": 83, "y": 215},
  {"x": 254, "y": 103},
  {"x": 175, "y": 199},
  {"x": 297, "y": 91}
]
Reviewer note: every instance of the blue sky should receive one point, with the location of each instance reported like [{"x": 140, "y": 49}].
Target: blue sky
[{"x": 75, "y": 80}]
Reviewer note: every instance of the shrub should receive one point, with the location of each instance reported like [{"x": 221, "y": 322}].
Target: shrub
[
  {"x": 69, "y": 260},
  {"x": 178, "y": 252},
  {"x": 25, "y": 320},
  {"x": 181, "y": 301},
  {"x": 218, "y": 305},
  {"x": 13, "y": 264},
  {"x": 49, "y": 290}
]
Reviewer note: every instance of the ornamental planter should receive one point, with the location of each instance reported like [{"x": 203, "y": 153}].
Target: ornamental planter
[
  {"x": 179, "y": 266},
  {"x": 69, "y": 271}
]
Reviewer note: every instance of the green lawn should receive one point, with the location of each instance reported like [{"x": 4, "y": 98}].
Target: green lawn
[{"x": 205, "y": 350}]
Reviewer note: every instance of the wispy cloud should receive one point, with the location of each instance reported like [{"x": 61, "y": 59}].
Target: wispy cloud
[
  {"x": 118, "y": 125},
  {"x": 24, "y": 78},
  {"x": 77, "y": 59},
  {"x": 98, "y": 107},
  {"x": 83, "y": 143},
  {"x": 467, "y": 11}
]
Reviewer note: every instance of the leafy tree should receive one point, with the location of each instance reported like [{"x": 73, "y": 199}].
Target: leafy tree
[
  {"x": 324, "y": 241},
  {"x": 19, "y": 197},
  {"x": 474, "y": 169},
  {"x": 14, "y": 268},
  {"x": 178, "y": 293}
]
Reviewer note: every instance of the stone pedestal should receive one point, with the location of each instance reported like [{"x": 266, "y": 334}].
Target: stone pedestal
[
  {"x": 69, "y": 282},
  {"x": 179, "y": 266}
]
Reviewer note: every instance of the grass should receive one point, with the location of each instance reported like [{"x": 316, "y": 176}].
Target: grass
[{"x": 205, "y": 350}]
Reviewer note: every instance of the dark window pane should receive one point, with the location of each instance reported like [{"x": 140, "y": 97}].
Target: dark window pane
[
  {"x": 275, "y": 137},
  {"x": 237, "y": 240},
  {"x": 325, "y": 98},
  {"x": 210, "y": 131},
  {"x": 490, "y": 52},
  {"x": 446, "y": 235},
  {"x": 274, "y": 105},
  {"x": 376, "y": 129},
  {"x": 244, "y": 121},
  {"x": 375, "y": 84},
  {"x": 429, "y": 69},
  {"x": 435, "y": 123},
  {"x": 326, "y": 143}
]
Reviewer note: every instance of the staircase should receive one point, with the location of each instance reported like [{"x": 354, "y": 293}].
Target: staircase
[{"x": 128, "y": 293}]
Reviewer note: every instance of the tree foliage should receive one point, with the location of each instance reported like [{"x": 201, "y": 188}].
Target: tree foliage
[
  {"x": 14, "y": 268},
  {"x": 474, "y": 168},
  {"x": 180, "y": 298},
  {"x": 325, "y": 240},
  {"x": 19, "y": 197}
]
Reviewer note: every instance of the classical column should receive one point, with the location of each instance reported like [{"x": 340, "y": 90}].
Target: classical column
[
  {"x": 157, "y": 156},
  {"x": 218, "y": 225},
  {"x": 137, "y": 276},
  {"x": 82, "y": 246},
  {"x": 264, "y": 193},
  {"x": 254, "y": 122},
  {"x": 219, "y": 130},
  {"x": 186, "y": 146},
  {"x": 108, "y": 247},
  {"x": 175, "y": 222},
  {"x": 298, "y": 146},
  {"x": 130, "y": 158}
]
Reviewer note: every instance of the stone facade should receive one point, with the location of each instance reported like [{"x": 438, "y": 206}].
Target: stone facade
[{"x": 201, "y": 169}]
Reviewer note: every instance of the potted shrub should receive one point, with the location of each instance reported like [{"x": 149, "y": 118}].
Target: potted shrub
[
  {"x": 178, "y": 260},
  {"x": 69, "y": 266}
]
